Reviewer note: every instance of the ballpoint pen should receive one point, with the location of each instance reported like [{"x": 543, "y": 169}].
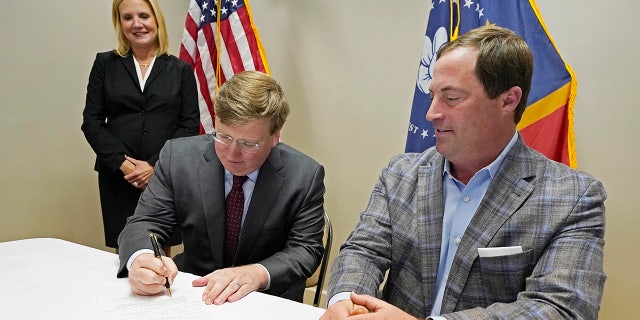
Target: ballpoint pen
[{"x": 156, "y": 252}]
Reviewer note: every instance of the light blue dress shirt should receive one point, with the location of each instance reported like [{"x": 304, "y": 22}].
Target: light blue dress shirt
[{"x": 460, "y": 204}]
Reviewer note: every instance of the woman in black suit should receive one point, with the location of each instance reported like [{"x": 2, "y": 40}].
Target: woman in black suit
[{"x": 138, "y": 97}]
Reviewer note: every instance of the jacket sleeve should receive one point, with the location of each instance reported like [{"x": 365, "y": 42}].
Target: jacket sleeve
[
  {"x": 303, "y": 248},
  {"x": 155, "y": 213},
  {"x": 109, "y": 150}
]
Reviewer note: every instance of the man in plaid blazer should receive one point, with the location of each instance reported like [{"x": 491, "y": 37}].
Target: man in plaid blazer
[{"x": 481, "y": 226}]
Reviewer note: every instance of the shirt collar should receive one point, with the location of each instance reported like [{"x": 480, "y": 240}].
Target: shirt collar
[
  {"x": 253, "y": 176},
  {"x": 493, "y": 167}
]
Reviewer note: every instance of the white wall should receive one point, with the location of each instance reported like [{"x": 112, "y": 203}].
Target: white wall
[{"x": 348, "y": 67}]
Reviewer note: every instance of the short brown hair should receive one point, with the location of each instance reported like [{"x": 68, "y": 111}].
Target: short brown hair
[
  {"x": 251, "y": 95},
  {"x": 504, "y": 61}
]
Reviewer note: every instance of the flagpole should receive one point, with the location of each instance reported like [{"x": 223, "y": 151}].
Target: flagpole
[
  {"x": 454, "y": 29},
  {"x": 218, "y": 39}
]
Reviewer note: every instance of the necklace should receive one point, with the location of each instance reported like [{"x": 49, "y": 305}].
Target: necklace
[{"x": 144, "y": 64}]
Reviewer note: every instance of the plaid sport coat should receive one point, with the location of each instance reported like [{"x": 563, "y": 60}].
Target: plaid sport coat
[{"x": 554, "y": 212}]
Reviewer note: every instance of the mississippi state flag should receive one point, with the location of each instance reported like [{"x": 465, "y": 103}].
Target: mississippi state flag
[
  {"x": 218, "y": 42},
  {"x": 547, "y": 123}
]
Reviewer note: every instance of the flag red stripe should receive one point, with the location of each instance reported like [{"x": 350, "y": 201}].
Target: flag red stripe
[
  {"x": 232, "y": 47},
  {"x": 191, "y": 29},
  {"x": 204, "y": 89},
  {"x": 209, "y": 36},
  {"x": 243, "y": 15},
  {"x": 206, "y": 105},
  {"x": 549, "y": 135},
  {"x": 184, "y": 55}
]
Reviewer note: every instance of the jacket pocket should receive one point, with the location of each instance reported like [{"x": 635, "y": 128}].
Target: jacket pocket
[{"x": 504, "y": 277}]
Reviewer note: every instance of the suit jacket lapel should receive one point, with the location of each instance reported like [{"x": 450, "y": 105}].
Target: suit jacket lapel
[
  {"x": 129, "y": 65},
  {"x": 211, "y": 174},
  {"x": 430, "y": 213},
  {"x": 158, "y": 67},
  {"x": 264, "y": 195},
  {"x": 507, "y": 192}
]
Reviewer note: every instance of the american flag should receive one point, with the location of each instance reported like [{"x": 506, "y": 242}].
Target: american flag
[{"x": 219, "y": 41}]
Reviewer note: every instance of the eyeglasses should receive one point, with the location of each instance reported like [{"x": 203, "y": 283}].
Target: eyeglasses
[{"x": 245, "y": 146}]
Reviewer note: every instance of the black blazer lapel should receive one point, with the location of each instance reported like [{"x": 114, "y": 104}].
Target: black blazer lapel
[
  {"x": 129, "y": 65},
  {"x": 158, "y": 67}
]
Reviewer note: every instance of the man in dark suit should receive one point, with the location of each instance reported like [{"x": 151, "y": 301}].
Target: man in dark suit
[
  {"x": 280, "y": 242},
  {"x": 481, "y": 226}
]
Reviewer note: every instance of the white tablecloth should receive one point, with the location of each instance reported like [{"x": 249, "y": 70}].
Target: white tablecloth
[{"x": 56, "y": 279}]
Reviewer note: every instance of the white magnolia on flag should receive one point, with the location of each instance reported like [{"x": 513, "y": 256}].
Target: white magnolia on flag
[{"x": 219, "y": 41}]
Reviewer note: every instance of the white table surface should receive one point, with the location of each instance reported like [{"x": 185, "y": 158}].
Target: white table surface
[{"x": 48, "y": 278}]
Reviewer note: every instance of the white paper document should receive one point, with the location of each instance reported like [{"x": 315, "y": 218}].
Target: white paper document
[
  {"x": 186, "y": 304},
  {"x": 150, "y": 308}
]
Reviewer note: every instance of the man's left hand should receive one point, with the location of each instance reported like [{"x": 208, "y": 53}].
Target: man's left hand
[
  {"x": 231, "y": 284},
  {"x": 378, "y": 309}
]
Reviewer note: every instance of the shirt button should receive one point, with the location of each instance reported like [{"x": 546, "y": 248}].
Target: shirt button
[
  {"x": 466, "y": 199},
  {"x": 458, "y": 240}
]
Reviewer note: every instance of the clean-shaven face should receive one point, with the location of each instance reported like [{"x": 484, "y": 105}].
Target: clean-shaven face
[
  {"x": 241, "y": 163},
  {"x": 466, "y": 122},
  {"x": 138, "y": 23}
]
